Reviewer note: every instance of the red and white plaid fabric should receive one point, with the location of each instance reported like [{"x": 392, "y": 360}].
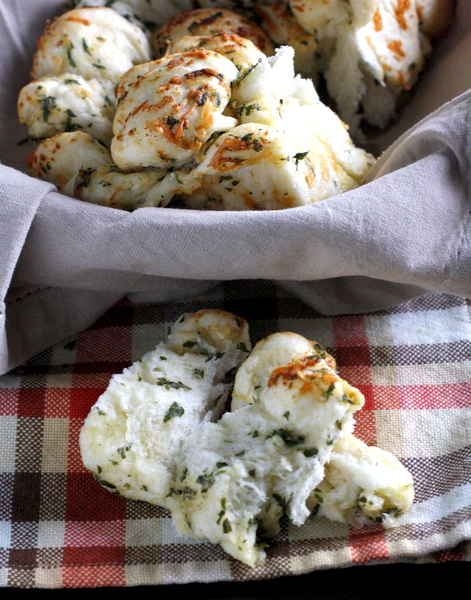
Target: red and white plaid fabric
[{"x": 60, "y": 529}]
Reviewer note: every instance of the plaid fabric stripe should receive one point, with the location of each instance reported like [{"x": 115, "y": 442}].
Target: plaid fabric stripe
[{"x": 60, "y": 529}]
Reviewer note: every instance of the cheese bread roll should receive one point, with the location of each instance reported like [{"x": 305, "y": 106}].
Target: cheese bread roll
[
  {"x": 240, "y": 51},
  {"x": 81, "y": 167},
  {"x": 289, "y": 150},
  {"x": 68, "y": 102},
  {"x": 96, "y": 43},
  {"x": 278, "y": 349},
  {"x": 207, "y": 22},
  {"x": 168, "y": 108}
]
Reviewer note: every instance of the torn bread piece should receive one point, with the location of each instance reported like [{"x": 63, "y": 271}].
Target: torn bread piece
[
  {"x": 362, "y": 484},
  {"x": 132, "y": 434},
  {"x": 153, "y": 435}
]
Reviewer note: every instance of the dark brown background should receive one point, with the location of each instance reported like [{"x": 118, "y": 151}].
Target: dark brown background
[{"x": 445, "y": 581}]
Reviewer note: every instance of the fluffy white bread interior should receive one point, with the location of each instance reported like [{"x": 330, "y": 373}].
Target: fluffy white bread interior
[
  {"x": 363, "y": 484},
  {"x": 153, "y": 436},
  {"x": 131, "y": 436},
  {"x": 289, "y": 150}
]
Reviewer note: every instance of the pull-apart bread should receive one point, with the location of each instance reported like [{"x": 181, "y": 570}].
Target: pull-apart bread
[
  {"x": 215, "y": 110},
  {"x": 227, "y": 466},
  {"x": 219, "y": 121},
  {"x": 369, "y": 52}
]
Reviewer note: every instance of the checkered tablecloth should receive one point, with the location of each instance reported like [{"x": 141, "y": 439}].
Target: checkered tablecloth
[{"x": 60, "y": 529}]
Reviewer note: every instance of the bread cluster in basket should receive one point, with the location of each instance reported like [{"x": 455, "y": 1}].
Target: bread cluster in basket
[{"x": 220, "y": 120}]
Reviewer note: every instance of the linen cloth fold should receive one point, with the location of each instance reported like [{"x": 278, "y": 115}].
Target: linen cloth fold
[{"x": 404, "y": 233}]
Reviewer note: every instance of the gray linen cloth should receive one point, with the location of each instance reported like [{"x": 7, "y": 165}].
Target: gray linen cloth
[{"x": 64, "y": 262}]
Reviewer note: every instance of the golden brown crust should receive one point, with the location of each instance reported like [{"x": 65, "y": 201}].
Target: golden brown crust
[{"x": 210, "y": 21}]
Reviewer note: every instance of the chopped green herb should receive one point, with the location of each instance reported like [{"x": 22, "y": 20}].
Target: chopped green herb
[
  {"x": 330, "y": 389},
  {"x": 310, "y": 452},
  {"x": 69, "y": 56},
  {"x": 85, "y": 46},
  {"x": 104, "y": 483},
  {"x": 188, "y": 492},
  {"x": 242, "y": 346},
  {"x": 47, "y": 105},
  {"x": 85, "y": 176},
  {"x": 122, "y": 451},
  {"x": 206, "y": 480},
  {"x": 247, "y": 72},
  {"x": 299, "y": 156},
  {"x": 175, "y": 410},
  {"x": 176, "y": 385},
  {"x": 289, "y": 438},
  {"x": 226, "y": 526}
]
